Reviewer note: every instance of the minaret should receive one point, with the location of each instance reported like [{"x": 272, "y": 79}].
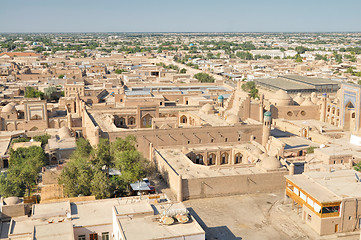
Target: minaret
[
  {"x": 261, "y": 100},
  {"x": 267, "y": 121},
  {"x": 323, "y": 107}
]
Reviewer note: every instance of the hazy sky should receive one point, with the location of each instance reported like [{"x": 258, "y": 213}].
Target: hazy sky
[{"x": 180, "y": 16}]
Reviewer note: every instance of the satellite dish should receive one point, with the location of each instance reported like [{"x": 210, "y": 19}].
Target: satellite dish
[{"x": 357, "y": 178}]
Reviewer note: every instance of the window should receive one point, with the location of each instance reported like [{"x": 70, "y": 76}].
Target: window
[
  {"x": 81, "y": 237},
  {"x": 105, "y": 236},
  {"x": 93, "y": 236},
  {"x": 333, "y": 209},
  {"x": 309, "y": 218}
]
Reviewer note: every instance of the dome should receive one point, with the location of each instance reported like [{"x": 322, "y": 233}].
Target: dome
[
  {"x": 271, "y": 163},
  {"x": 307, "y": 102},
  {"x": 314, "y": 98},
  {"x": 299, "y": 99},
  {"x": 281, "y": 98},
  {"x": 11, "y": 200},
  {"x": 207, "y": 109},
  {"x": 220, "y": 97},
  {"x": 257, "y": 152},
  {"x": 9, "y": 108},
  {"x": 64, "y": 132},
  {"x": 232, "y": 119},
  {"x": 263, "y": 156}
]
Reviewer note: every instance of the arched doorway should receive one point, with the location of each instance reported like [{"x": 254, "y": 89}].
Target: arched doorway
[
  {"x": 147, "y": 121},
  {"x": 350, "y": 116}
]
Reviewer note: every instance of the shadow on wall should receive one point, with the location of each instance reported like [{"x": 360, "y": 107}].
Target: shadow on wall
[{"x": 221, "y": 232}]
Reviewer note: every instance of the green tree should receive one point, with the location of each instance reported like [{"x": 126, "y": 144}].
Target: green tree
[
  {"x": 204, "y": 77},
  {"x": 9, "y": 188},
  {"x": 42, "y": 138},
  {"x": 76, "y": 177},
  {"x": 183, "y": 70},
  {"x": 102, "y": 155},
  {"x": 250, "y": 87},
  {"x": 299, "y": 59},
  {"x": 50, "y": 93},
  {"x": 131, "y": 164},
  {"x": 83, "y": 174},
  {"x": 31, "y": 92},
  {"x": 61, "y": 76},
  {"x": 100, "y": 185},
  {"x": 300, "y": 49},
  {"x": 120, "y": 71},
  {"x": 25, "y": 165}
]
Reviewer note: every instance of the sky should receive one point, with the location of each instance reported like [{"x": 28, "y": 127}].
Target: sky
[{"x": 180, "y": 16}]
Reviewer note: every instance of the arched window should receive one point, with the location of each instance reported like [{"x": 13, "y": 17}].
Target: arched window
[
  {"x": 211, "y": 159},
  {"x": 183, "y": 119},
  {"x": 224, "y": 158},
  {"x": 238, "y": 158},
  {"x": 122, "y": 121},
  {"x": 199, "y": 159},
  {"x": 131, "y": 121}
]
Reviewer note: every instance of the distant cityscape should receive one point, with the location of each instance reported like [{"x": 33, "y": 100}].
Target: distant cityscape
[{"x": 180, "y": 135}]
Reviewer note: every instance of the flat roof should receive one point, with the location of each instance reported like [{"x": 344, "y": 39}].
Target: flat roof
[
  {"x": 284, "y": 84},
  {"x": 189, "y": 170},
  {"x": 329, "y": 187},
  {"x": 149, "y": 227},
  {"x": 310, "y": 80}
]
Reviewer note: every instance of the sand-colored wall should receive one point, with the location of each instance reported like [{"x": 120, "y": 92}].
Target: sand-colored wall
[
  {"x": 233, "y": 185},
  {"x": 169, "y": 174},
  {"x": 296, "y": 112},
  {"x": 189, "y": 136}
]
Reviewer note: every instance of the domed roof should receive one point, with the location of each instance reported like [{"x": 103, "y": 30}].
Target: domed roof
[
  {"x": 268, "y": 114},
  {"x": 282, "y": 98},
  {"x": 207, "y": 108},
  {"x": 314, "y": 98},
  {"x": 271, "y": 163},
  {"x": 307, "y": 102},
  {"x": 9, "y": 108},
  {"x": 263, "y": 156},
  {"x": 220, "y": 97},
  {"x": 232, "y": 119},
  {"x": 11, "y": 200},
  {"x": 299, "y": 99},
  {"x": 64, "y": 132},
  {"x": 257, "y": 152}
]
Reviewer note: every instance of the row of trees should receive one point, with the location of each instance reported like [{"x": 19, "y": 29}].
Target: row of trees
[{"x": 87, "y": 173}]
